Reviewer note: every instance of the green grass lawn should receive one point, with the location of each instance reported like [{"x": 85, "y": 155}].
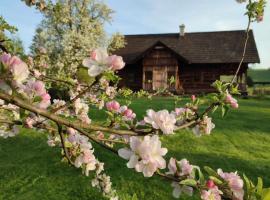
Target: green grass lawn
[
  {"x": 259, "y": 75},
  {"x": 30, "y": 170}
]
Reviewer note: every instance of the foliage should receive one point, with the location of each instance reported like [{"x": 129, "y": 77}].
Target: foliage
[{"x": 10, "y": 43}]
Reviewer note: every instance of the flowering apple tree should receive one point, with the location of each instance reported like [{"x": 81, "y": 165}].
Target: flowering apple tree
[{"x": 25, "y": 102}]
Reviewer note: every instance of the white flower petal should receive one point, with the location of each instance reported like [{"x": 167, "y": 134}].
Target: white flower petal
[
  {"x": 125, "y": 153},
  {"x": 133, "y": 161}
]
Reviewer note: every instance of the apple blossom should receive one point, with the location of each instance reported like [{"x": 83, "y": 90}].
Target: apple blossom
[
  {"x": 193, "y": 98},
  {"x": 87, "y": 159},
  {"x": 181, "y": 189},
  {"x": 29, "y": 122},
  {"x": 110, "y": 91},
  {"x": 5, "y": 58},
  {"x": 129, "y": 114},
  {"x": 259, "y": 18},
  {"x": 97, "y": 63},
  {"x": 18, "y": 69},
  {"x": 204, "y": 127},
  {"x": 232, "y": 101},
  {"x": 145, "y": 155},
  {"x": 112, "y": 106},
  {"x": 81, "y": 111},
  {"x": 115, "y": 62},
  {"x": 211, "y": 194},
  {"x": 35, "y": 88},
  {"x": 162, "y": 120},
  {"x": 210, "y": 184},
  {"x": 235, "y": 183},
  {"x": 9, "y": 133},
  {"x": 53, "y": 141},
  {"x": 179, "y": 168}
]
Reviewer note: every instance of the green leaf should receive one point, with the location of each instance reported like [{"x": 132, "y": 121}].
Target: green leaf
[
  {"x": 37, "y": 99},
  {"x": 83, "y": 76},
  {"x": 216, "y": 180},
  {"x": 224, "y": 110},
  {"x": 211, "y": 172},
  {"x": 259, "y": 186},
  {"x": 201, "y": 176},
  {"x": 266, "y": 194},
  {"x": 189, "y": 182},
  {"x": 68, "y": 144},
  {"x": 247, "y": 181}
]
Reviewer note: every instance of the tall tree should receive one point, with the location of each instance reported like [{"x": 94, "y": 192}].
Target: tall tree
[
  {"x": 9, "y": 42},
  {"x": 69, "y": 31}
]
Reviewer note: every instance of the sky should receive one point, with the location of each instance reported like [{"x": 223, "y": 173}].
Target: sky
[{"x": 158, "y": 16}]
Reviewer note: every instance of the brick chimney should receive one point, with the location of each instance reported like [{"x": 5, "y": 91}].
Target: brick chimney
[{"x": 182, "y": 30}]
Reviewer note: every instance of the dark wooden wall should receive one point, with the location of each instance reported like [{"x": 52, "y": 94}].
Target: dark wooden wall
[
  {"x": 197, "y": 78},
  {"x": 160, "y": 64},
  {"x": 193, "y": 78},
  {"x": 132, "y": 76}
]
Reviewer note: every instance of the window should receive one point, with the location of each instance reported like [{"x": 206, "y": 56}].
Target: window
[{"x": 148, "y": 76}]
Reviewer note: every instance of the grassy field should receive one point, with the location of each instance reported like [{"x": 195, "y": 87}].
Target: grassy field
[
  {"x": 29, "y": 170},
  {"x": 259, "y": 75}
]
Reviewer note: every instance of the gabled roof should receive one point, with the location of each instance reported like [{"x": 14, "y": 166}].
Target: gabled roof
[{"x": 199, "y": 47}]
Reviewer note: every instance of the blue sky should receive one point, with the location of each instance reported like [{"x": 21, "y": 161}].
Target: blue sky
[{"x": 158, "y": 16}]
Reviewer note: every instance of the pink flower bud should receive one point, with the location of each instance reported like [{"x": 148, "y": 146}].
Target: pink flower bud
[
  {"x": 228, "y": 98},
  {"x": 193, "y": 97},
  {"x": 88, "y": 156},
  {"x": 93, "y": 55},
  {"x": 15, "y": 61},
  {"x": 113, "y": 106},
  {"x": 234, "y": 105},
  {"x": 39, "y": 88},
  {"x": 71, "y": 131},
  {"x": 100, "y": 135},
  {"x": 5, "y": 58},
  {"x": 260, "y": 18},
  {"x": 46, "y": 97},
  {"x": 29, "y": 122},
  {"x": 128, "y": 113},
  {"x": 210, "y": 184},
  {"x": 116, "y": 62}
]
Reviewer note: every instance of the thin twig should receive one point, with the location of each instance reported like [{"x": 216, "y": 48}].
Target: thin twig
[
  {"x": 244, "y": 51},
  {"x": 60, "y": 132}
]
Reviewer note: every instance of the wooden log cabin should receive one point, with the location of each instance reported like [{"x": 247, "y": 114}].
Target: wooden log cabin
[{"x": 195, "y": 60}]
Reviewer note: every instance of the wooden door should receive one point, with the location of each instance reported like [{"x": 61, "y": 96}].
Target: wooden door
[{"x": 159, "y": 78}]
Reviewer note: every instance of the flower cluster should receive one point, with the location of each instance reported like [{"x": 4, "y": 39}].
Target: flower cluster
[
  {"x": 81, "y": 149},
  {"x": 204, "y": 127},
  {"x": 232, "y": 101},
  {"x": 36, "y": 90},
  {"x": 180, "y": 168},
  {"x": 81, "y": 110},
  {"x": 16, "y": 67},
  {"x": 6, "y": 131},
  {"x": 145, "y": 155},
  {"x": 235, "y": 183},
  {"x": 100, "y": 61},
  {"x": 182, "y": 115},
  {"x": 162, "y": 120},
  {"x": 126, "y": 113},
  {"x": 213, "y": 193}
]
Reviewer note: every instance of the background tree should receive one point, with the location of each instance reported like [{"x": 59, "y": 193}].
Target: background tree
[
  {"x": 9, "y": 42},
  {"x": 69, "y": 31}
]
